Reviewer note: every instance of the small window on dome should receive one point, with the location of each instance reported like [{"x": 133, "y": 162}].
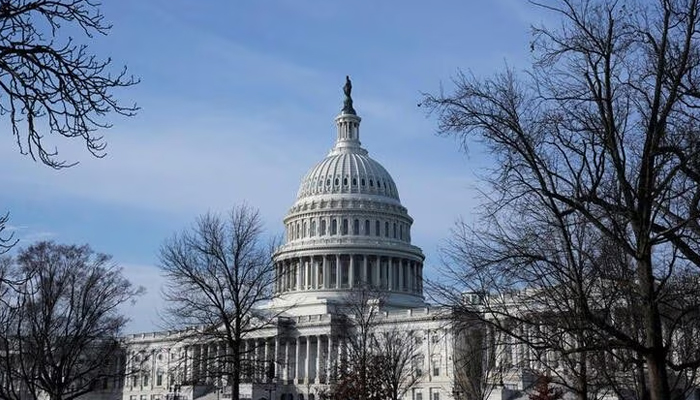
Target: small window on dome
[
  {"x": 345, "y": 181},
  {"x": 371, "y": 183},
  {"x": 336, "y": 182},
  {"x": 363, "y": 181},
  {"x": 379, "y": 184},
  {"x": 354, "y": 181},
  {"x": 328, "y": 182}
]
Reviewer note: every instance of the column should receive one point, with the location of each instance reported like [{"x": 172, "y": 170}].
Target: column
[
  {"x": 276, "y": 358},
  {"x": 317, "y": 377},
  {"x": 390, "y": 274},
  {"x": 286, "y": 361},
  {"x": 306, "y": 361},
  {"x": 351, "y": 271},
  {"x": 328, "y": 358},
  {"x": 365, "y": 272},
  {"x": 296, "y": 360},
  {"x": 266, "y": 364},
  {"x": 337, "y": 271},
  {"x": 377, "y": 281}
]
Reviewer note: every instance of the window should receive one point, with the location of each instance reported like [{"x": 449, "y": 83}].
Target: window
[
  {"x": 386, "y": 229},
  {"x": 105, "y": 383},
  {"x": 345, "y": 181},
  {"x": 334, "y": 227},
  {"x": 159, "y": 379},
  {"x": 419, "y": 396},
  {"x": 394, "y": 230},
  {"x": 323, "y": 227},
  {"x": 313, "y": 228},
  {"x": 435, "y": 367},
  {"x": 367, "y": 227},
  {"x": 133, "y": 397},
  {"x": 356, "y": 227},
  {"x": 145, "y": 380},
  {"x": 363, "y": 182},
  {"x": 436, "y": 395},
  {"x": 144, "y": 397},
  {"x": 155, "y": 397},
  {"x": 345, "y": 226},
  {"x": 354, "y": 183},
  {"x": 336, "y": 182},
  {"x": 377, "y": 228},
  {"x": 371, "y": 183},
  {"x": 160, "y": 357},
  {"x": 134, "y": 381}
]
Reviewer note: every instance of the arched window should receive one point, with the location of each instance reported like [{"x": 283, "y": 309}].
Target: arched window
[
  {"x": 312, "y": 228},
  {"x": 367, "y": 227},
  {"x": 386, "y": 229},
  {"x": 356, "y": 227},
  {"x": 345, "y": 226},
  {"x": 334, "y": 226},
  {"x": 354, "y": 181},
  {"x": 323, "y": 227},
  {"x": 394, "y": 230},
  {"x": 304, "y": 231},
  {"x": 377, "y": 230},
  {"x": 345, "y": 181},
  {"x": 401, "y": 231}
]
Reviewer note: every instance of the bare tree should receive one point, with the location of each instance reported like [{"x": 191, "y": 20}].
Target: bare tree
[
  {"x": 219, "y": 274},
  {"x": 379, "y": 360},
  {"x": 52, "y": 84},
  {"x": 396, "y": 354},
  {"x": 60, "y": 321},
  {"x": 596, "y": 143}
]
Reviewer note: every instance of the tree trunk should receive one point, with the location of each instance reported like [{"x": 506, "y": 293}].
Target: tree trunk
[{"x": 655, "y": 358}]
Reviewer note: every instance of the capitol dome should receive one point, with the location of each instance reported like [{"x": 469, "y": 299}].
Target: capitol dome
[{"x": 347, "y": 229}]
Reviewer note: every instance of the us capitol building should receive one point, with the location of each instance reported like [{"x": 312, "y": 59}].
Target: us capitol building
[{"x": 346, "y": 229}]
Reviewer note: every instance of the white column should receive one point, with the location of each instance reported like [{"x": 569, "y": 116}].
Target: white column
[
  {"x": 266, "y": 363},
  {"x": 317, "y": 377},
  {"x": 337, "y": 271},
  {"x": 306, "y": 361},
  {"x": 296, "y": 360},
  {"x": 351, "y": 271},
  {"x": 286, "y": 361},
  {"x": 365, "y": 272},
  {"x": 329, "y": 358},
  {"x": 276, "y": 359},
  {"x": 390, "y": 275},
  {"x": 377, "y": 276}
]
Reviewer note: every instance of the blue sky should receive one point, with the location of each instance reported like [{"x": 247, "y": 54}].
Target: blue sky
[{"x": 238, "y": 100}]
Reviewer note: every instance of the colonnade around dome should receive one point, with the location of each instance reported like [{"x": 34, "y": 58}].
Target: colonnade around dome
[{"x": 348, "y": 271}]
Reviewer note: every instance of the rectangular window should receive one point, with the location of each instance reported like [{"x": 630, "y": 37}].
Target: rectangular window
[
  {"x": 134, "y": 381},
  {"x": 356, "y": 227},
  {"x": 436, "y": 395},
  {"x": 367, "y": 232},
  {"x": 145, "y": 380},
  {"x": 419, "y": 396},
  {"x": 159, "y": 380},
  {"x": 144, "y": 397},
  {"x": 133, "y": 397}
]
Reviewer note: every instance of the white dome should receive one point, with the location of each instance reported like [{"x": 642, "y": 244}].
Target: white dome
[
  {"x": 347, "y": 229},
  {"x": 348, "y": 171}
]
